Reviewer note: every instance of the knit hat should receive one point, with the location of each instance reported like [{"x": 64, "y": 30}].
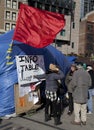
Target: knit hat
[
  {"x": 89, "y": 68},
  {"x": 85, "y": 66},
  {"x": 53, "y": 67},
  {"x": 79, "y": 66},
  {"x": 74, "y": 65}
]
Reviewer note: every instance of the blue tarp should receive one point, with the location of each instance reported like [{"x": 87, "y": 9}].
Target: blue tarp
[
  {"x": 72, "y": 59},
  {"x": 8, "y": 73}
]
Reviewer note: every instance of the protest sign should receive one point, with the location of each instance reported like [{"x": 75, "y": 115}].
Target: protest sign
[{"x": 28, "y": 66}]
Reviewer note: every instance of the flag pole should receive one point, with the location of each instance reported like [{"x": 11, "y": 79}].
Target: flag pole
[{"x": 55, "y": 42}]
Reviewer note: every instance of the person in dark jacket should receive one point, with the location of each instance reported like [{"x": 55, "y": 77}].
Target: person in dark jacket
[
  {"x": 90, "y": 102},
  {"x": 67, "y": 81},
  {"x": 51, "y": 77}
]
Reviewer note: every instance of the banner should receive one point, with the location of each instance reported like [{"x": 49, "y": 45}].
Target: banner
[
  {"x": 37, "y": 28},
  {"x": 28, "y": 66}
]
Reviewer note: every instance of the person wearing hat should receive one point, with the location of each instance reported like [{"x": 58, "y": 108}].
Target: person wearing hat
[
  {"x": 53, "y": 74},
  {"x": 81, "y": 81},
  {"x": 90, "y": 102}
]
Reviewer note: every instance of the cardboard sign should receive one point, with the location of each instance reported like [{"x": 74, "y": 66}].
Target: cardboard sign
[
  {"x": 26, "y": 102},
  {"x": 28, "y": 66}
]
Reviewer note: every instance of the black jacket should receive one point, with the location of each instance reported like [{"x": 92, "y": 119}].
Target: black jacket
[
  {"x": 51, "y": 80},
  {"x": 91, "y": 72}
]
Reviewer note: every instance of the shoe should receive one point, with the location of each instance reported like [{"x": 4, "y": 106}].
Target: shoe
[
  {"x": 89, "y": 112},
  {"x": 83, "y": 122},
  {"x": 9, "y": 116},
  {"x": 47, "y": 117},
  {"x": 5, "y": 117},
  {"x": 57, "y": 121},
  {"x": 75, "y": 123},
  {"x": 0, "y": 120}
]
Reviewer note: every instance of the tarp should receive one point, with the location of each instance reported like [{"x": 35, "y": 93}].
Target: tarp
[
  {"x": 72, "y": 59},
  {"x": 8, "y": 73}
]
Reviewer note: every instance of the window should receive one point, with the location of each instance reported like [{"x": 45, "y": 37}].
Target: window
[
  {"x": 39, "y": 5},
  {"x": 47, "y": 7},
  {"x": 72, "y": 46},
  {"x": 14, "y": 4},
  {"x": 90, "y": 38},
  {"x": 59, "y": 43},
  {"x": 7, "y": 14},
  {"x": 48, "y": 1},
  {"x": 62, "y": 33},
  {"x": 7, "y": 26},
  {"x": 41, "y": 0},
  {"x": 60, "y": 10},
  {"x": 13, "y": 26},
  {"x": 53, "y": 9},
  {"x": 73, "y": 25},
  {"x": 14, "y": 16},
  {"x": 8, "y": 3},
  {"x": 90, "y": 27},
  {"x": 86, "y": 7},
  {"x": 91, "y": 5}
]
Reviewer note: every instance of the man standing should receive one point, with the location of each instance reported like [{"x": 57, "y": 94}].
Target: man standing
[
  {"x": 79, "y": 85},
  {"x": 67, "y": 82},
  {"x": 90, "y": 70}
]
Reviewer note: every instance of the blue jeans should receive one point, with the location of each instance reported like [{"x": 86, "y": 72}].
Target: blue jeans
[
  {"x": 93, "y": 92},
  {"x": 90, "y": 102}
]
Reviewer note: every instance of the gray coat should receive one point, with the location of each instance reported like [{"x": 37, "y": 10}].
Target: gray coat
[
  {"x": 68, "y": 80},
  {"x": 79, "y": 85}
]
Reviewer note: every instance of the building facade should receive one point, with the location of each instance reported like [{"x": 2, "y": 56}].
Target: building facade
[
  {"x": 8, "y": 14},
  {"x": 69, "y": 39},
  {"x": 74, "y": 30},
  {"x": 86, "y": 36},
  {"x": 86, "y": 32},
  {"x": 86, "y": 7}
]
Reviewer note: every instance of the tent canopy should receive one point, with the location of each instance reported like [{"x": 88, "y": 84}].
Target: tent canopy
[{"x": 8, "y": 73}]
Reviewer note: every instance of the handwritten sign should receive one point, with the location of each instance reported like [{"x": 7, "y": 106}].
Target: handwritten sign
[{"x": 28, "y": 66}]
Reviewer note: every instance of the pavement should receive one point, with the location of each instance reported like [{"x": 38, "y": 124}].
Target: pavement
[{"x": 35, "y": 121}]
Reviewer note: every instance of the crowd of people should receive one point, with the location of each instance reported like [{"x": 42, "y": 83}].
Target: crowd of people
[
  {"x": 80, "y": 87},
  {"x": 79, "y": 82}
]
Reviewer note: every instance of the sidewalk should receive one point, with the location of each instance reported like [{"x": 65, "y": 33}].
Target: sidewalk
[{"x": 36, "y": 122}]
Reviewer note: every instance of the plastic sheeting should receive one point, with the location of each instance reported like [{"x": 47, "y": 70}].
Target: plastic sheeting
[
  {"x": 8, "y": 73},
  {"x": 72, "y": 59}
]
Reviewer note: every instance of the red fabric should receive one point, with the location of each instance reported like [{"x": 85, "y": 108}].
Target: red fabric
[{"x": 36, "y": 27}]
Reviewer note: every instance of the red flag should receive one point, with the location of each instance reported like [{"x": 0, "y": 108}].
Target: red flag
[{"x": 36, "y": 27}]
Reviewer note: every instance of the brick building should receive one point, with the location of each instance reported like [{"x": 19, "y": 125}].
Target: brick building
[
  {"x": 8, "y": 14},
  {"x": 72, "y": 38},
  {"x": 86, "y": 36}
]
